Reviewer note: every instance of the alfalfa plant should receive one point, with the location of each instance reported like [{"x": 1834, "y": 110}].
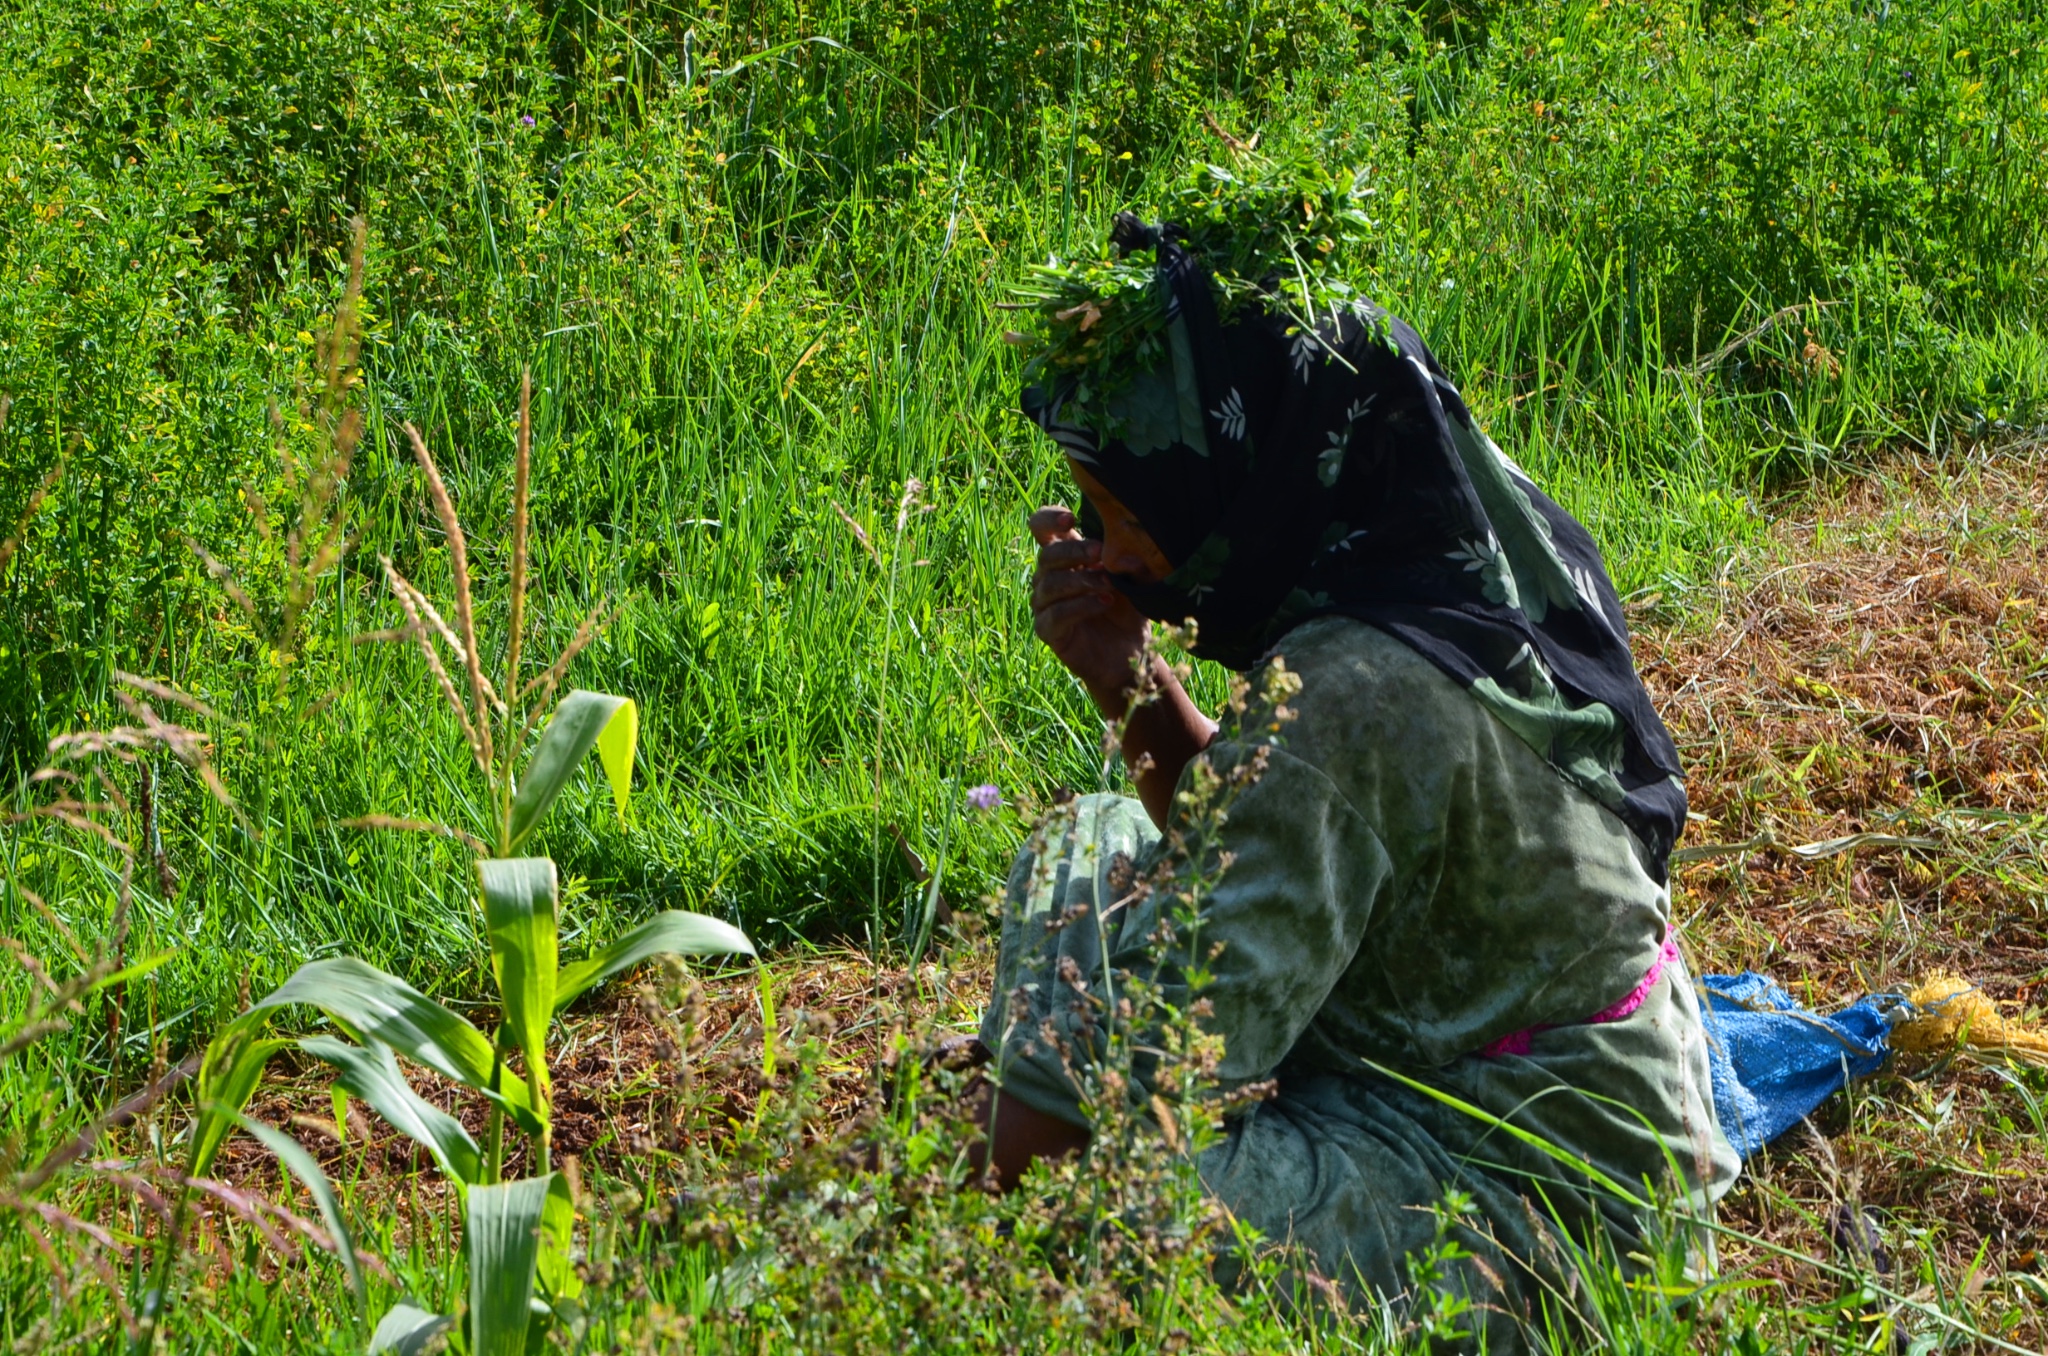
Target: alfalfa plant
[{"x": 517, "y": 1233}]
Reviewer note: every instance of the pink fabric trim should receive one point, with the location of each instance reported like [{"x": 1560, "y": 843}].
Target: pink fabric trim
[
  {"x": 1516, "y": 1044},
  {"x": 1519, "y": 1042},
  {"x": 1666, "y": 954}
]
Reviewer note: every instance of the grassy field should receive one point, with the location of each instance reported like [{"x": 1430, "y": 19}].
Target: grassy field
[{"x": 1684, "y": 259}]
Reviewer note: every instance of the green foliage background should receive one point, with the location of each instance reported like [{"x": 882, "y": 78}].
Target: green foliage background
[{"x": 752, "y": 254}]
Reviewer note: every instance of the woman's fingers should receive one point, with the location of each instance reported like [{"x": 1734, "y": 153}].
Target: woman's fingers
[
  {"x": 1076, "y": 601},
  {"x": 1073, "y": 553},
  {"x": 1054, "y": 522},
  {"x": 1068, "y": 565},
  {"x": 1070, "y": 569},
  {"x": 1067, "y": 623},
  {"x": 1060, "y": 586},
  {"x": 1075, "y": 608}
]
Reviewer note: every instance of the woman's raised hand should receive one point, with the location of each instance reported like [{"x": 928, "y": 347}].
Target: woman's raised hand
[
  {"x": 1078, "y": 612},
  {"x": 1100, "y": 637}
]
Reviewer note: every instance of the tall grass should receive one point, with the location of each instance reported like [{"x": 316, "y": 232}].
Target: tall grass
[{"x": 751, "y": 256}]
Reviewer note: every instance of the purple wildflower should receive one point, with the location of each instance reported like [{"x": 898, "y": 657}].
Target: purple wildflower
[
  {"x": 526, "y": 120},
  {"x": 984, "y": 797}
]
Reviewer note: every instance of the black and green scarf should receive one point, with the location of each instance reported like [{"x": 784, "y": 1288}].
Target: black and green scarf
[{"x": 1294, "y": 470}]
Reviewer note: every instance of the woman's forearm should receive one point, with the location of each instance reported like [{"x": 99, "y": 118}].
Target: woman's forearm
[{"x": 1160, "y": 736}]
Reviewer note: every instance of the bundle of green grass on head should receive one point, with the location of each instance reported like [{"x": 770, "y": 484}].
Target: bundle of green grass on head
[{"x": 1272, "y": 232}]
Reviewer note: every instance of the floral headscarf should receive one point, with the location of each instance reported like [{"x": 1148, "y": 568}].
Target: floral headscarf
[{"x": 1292, "y": 471}]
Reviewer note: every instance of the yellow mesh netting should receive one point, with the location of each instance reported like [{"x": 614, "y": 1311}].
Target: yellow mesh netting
[{"x": 1953, "y": 1014}]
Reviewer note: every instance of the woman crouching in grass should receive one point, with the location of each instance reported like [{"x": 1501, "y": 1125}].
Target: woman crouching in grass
[{"x": 1454, "y": 865}]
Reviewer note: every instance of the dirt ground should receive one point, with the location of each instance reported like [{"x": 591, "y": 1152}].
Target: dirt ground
[{"x": 1876, "y": 666}]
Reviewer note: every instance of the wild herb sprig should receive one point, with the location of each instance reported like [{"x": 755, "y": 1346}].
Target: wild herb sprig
[{"x": 1279, "y": 233}]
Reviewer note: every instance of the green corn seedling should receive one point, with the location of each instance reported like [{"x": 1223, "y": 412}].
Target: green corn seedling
[{"x": 517, "y": 1233}]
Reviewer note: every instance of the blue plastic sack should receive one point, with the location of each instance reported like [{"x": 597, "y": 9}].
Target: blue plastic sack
[{"x": 1773, "y": 1061}]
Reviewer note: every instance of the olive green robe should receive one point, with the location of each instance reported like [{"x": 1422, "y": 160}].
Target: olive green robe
[{"x": 1410, "y": 883}]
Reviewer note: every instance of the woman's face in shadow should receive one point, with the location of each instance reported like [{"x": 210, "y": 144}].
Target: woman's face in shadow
[{"x": 1127, "y": 548}]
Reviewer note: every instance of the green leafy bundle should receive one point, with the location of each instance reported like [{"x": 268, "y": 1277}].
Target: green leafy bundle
[{"x": 1277, "y": 233}]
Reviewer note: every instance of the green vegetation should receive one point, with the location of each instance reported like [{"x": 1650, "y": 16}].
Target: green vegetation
[
  {"x": 519, "y": 1235},
  {"x": 1271, "y": 235},
  {"x": 1677, "y": 255}
]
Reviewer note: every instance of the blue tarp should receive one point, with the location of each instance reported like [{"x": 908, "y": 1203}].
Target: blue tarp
[{"x": 1773, "y": 1061}]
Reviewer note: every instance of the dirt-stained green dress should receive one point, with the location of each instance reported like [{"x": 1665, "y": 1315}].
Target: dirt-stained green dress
[{"x": 1411, "y": 883}]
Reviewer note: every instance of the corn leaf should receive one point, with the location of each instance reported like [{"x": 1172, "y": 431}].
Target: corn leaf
[
  {"x": 302, "y": 1166},
  {"x": 556, "y": 1266},
  {"x": 674, "y": 932},
  {"x": 503, "y": 1239},
  {"x": 519, "y": 913},
  {"x": 370, "y": 1072},
  {"x": 371, "y": 1005},
  {"x": 572, "y": 731},
  {"x": 615, "y": 746},
  {"x": 407, "y": 1329},
  {"x": 228, "y": 1074}
]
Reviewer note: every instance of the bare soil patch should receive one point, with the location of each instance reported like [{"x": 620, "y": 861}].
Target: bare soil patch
[
  {"x": 642, "y": 1071},
  {"x": 1875, "y": 666}
]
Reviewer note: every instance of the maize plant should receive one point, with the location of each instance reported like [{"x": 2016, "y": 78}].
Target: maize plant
[{"x": 517, "y": 1234}]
